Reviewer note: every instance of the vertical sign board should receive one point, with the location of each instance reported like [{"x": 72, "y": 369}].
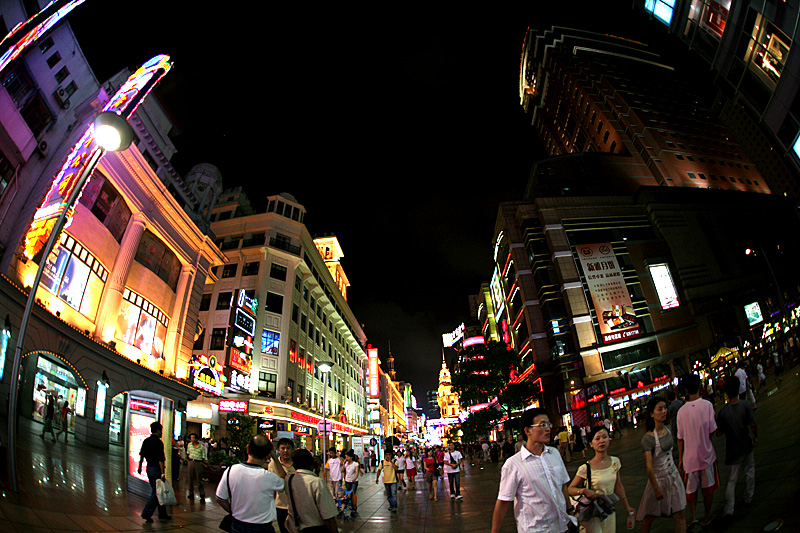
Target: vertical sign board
[
  {"x": 374, "y": 378},
  {"x": 141, "y": 413},
  {"x": 240, "y": 341},
  {"x": 610, "y": 296}
]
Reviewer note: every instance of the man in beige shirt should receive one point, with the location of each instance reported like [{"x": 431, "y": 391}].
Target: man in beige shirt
[
  {"x": 310, "y": 502},
  {"x": 285, "y": 449}
]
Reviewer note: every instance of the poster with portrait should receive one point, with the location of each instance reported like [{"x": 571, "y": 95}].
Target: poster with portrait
[{"x": 610, "y": 296}]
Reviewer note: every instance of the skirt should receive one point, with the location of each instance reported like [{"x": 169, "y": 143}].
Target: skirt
[
  {"x": 411, "y": 473},
  {"x": 674, "y": 499}
]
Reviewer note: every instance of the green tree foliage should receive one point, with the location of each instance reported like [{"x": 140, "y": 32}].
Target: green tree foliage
[
  {"x": 241, "y": 429},
  {"x": 485, "y": 373}
]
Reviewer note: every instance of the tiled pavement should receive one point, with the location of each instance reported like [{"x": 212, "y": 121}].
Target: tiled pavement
[{"x": 71, "y": 488}]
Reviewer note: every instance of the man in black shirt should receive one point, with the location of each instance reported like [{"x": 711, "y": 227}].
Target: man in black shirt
[
  {"x": 508, "y": 447},
  {"x": 153, "y": 452}
]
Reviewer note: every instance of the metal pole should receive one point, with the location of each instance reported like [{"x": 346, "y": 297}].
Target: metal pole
[
  {"x": 23, "y": 325},
  {"x": 324, "y": 422}
]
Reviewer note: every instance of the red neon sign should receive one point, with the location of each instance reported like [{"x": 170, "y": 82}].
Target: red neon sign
[
  {"x": 233, "y": 406},
  {"x": 374, "y": 381}
]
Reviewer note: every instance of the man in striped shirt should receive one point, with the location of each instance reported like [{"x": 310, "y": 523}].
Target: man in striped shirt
[
  {"x": 196, "y": 453},
  {"x": 535, "y": 480}
]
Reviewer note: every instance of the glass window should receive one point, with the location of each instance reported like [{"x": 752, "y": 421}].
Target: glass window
[
  {"x": 217, "y": 339},
  {"x": 277, "y": 272},
  {"x": 270, "y": 342},
  {"x": 661, "y": 9},
  {"x": 141, "y": 324},
  {"x": 274, "y": 303},
  {"x": 224, "y": 300},
  {"x": 75, "y": 276},
  {"x": 767, "y": 50},
  {"x": 229, "y": 271}
]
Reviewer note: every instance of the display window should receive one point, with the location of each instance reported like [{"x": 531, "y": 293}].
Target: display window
[
  {"x": 710, "y": 15},
  {"x": 55, "y": 380},
  {"x": 767, "y": 50},
  {"x": 141, "y": 324},
  {"x": 75, "y": 276}
]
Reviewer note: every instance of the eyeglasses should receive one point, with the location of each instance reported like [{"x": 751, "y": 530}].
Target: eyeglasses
[{"x": 543, "y": 425}]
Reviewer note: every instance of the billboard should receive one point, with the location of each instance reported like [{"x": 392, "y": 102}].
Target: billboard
[
  {"x": 667, "y": 295},
  {"x": 610, "y": 296},
  {"x": 753, "y": 313}
]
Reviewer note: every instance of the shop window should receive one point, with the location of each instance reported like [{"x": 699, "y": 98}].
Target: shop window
[
  {"x": 709, "y": 15},
  {"x": 141, "y": 324},
  {"x": 75, "y": 276},
  {"x": 661, "y": 9},
  {"x": 61, "y": 384},
  {"x": 106, "y": 204}
]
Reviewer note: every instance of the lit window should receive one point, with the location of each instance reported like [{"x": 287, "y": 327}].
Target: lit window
[
  {"x": 661, "y": 9},
  {"x": 141, "y": 324},
  {"x": 767, "y": 50}
]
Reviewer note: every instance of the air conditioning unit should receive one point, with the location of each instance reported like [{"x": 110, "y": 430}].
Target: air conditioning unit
[{"x": 62, "y": 98}]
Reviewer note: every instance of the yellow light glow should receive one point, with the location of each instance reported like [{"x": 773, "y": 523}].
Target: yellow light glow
[
  {"x": 181, "y": 372},
  {"x": 108, "y": 333}
]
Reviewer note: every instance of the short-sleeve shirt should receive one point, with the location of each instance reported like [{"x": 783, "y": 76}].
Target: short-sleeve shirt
[
  {"x": 252, "y": 494},
  {"x": 335, "y": 468},
  {"x": 430, "y": 465},
  {"x": 196, "y": 452},
  {"x": 281, "y": 498},
  {"x": 734, "y": 420},
  {"x": 696, "y": 423},
  {"x": 389, "y": 472},
  {"x": 742, "y": 375},
  {"x": 452, "y": 457},
  {"x": 649, "y": 442},
  {"x": 312, "y": 498},
  {"x": 534, "y": 483},
  {"x": 153, "y": 450},
  {"x": 410, "y": 463},
  {"x": 351, "y": 471}
]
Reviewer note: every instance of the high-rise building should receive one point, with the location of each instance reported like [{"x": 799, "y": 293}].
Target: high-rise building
[
  {"x": 588, "y": 91},
  {"x": 446, "y": 397}
]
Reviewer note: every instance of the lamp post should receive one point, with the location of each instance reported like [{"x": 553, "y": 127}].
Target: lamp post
[
  {"x": 112, "y": 133},
  {"x": 752, "y": 252},
  {"x": 324, "y": 367}
]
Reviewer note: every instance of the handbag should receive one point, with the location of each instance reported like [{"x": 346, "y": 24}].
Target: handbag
[
  {"x": 227, "y": 521},
  {"x": 312, "y": 529},
  {"x": 164, "y": 492},
  {"x": 601, "y": 507}
]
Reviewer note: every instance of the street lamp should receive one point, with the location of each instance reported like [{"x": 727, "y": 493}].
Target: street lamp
[
  {"x": 324, "y": 367},
  {"x": 752, "y": 252},
  {"x": 112, "y": 133}
]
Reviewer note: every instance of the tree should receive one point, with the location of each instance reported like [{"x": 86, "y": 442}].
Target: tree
[{"x": 485, "y": 373}]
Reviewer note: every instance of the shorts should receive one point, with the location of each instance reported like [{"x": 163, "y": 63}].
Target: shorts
[
  {"x": 431, "y": 477},
  {"x": 412, "y": 473},
  {"x": 351, "y": 485},
  {"x": 705, "y": 480}
]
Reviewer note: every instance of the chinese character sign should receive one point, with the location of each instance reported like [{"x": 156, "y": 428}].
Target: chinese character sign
[{"x": 610, "y": 296}]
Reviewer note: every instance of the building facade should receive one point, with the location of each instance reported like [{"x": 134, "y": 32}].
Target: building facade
[{"x": 276, "y": 309}]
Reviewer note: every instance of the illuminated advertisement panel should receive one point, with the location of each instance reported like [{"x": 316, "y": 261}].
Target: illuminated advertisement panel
[
  {"x": 143, "y": 412},
  {"x": 610, "y": 296},
  {"x": 667, "y": 295},
  {"x": 234, "y": 406},
  {"x": 206, "y": 373},
  {"x": 753, "y": 313},
  {"x": 374, "y": 378}
]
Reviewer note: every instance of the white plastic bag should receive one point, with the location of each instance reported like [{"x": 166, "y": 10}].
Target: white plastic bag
[{"x": 166, "y": 496}]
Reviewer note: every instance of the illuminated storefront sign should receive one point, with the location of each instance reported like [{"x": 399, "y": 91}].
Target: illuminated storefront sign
[
  {"x": 374, "y": 378},
  {"x": 472, "y": 341},
  {"x": 207, "y": 374},
  {"x": 247, "y": 303},
  {"x": 124, "y": 103},
  {"x": 667, "y": 295},
  {"x": 239, "y": 381},
  {"x": 610, "y": 296},
  {"x": 245, "y": 322},
  {"x": 100, "y": 403},
  {"x": 449, "y": 339},
  {"x": 234, "y": 406}
]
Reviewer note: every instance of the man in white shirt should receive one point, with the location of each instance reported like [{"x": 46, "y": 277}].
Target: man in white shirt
[
  {"x": 741, "y": 374},
  {"x": 251, "y": 497},
  {"x": 452, "y": 467},
  {"x": 536, "y": 481}
]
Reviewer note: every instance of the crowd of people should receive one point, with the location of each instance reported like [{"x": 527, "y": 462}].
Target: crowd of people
[{"x": 295, "y": 491}]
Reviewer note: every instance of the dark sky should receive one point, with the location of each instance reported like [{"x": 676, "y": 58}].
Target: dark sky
[{"x": 399, "y": 129}]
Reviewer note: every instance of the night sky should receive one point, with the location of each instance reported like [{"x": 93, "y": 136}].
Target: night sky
[{"x": 399, "y": 130}]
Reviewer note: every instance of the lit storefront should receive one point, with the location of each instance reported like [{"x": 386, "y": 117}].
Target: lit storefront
[
  {"x": 55, "y": 379},
  {"x": 303, "y": 425}
]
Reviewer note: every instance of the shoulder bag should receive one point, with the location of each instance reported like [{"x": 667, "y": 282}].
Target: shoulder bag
[
  {"x": 227, "y": 520},
  {"x": 601, "y": 507},
  {"x": 312, "y": 529}
]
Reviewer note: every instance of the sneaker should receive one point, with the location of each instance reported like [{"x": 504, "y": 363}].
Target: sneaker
[
  {"x": 147, "y": 520},
  {"x": 452, "y": 496},
  {"x": 459, "y": 497}
]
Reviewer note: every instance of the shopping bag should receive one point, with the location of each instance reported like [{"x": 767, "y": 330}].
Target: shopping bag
[{"x": 166, "y": 496}]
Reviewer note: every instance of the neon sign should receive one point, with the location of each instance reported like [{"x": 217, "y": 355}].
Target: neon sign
[
  {"x": 374, "y": 380},
  {"x": 124, "y": 103},
  {"x": 234, "y": 406},
  {"x": 207, "y": 374},
  {"x": 51, "y": 15}
]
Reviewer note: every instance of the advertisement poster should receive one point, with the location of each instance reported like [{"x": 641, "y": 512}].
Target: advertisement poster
[
  {"x": 610, "y": 296},
  {"x": 142, "y": 413}
]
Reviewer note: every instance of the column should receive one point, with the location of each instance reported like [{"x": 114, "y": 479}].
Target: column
[
  {"x": 183, "y": 293},
  {"x": 111, "y": 299}
]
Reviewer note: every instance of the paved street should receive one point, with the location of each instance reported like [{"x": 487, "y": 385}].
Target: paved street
[{"x": 70, "y": 488}]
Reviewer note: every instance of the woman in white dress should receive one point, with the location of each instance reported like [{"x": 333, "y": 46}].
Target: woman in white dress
[{"x": 665, "y": 493}]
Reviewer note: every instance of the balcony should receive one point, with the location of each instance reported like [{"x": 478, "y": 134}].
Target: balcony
[{"x": 284, "y": 245}]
